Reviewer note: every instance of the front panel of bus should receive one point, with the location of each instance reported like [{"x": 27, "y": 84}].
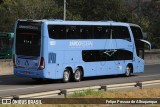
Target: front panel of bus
[
  {"x": 6, "y": 45},
  {"x": 139, "y": 60},
  {"x": 28, "y": 58}
]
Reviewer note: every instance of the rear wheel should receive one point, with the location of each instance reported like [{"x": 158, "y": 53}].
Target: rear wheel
[
  {"x": 66, "y": 75},
  {"x": 128, "y": 71},
  {"x": 77, "y": 75}
]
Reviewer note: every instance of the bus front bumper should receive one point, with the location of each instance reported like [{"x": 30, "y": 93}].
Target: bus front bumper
[{"x": 28, "y": 73}]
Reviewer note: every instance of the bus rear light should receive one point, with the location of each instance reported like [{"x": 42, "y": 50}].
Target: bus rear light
[{"x": 42, "y": 64}]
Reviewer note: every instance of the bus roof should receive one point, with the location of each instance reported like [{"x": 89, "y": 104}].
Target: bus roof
[{"x": 62, "y": 22}]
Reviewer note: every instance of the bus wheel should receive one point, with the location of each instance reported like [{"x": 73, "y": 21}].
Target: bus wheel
[
  {"x": 66, "y": 75},
  {"x": 77, "y": 75},
  {"x": 128, "y": 71}
]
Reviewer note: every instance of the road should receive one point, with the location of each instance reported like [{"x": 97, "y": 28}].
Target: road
[{"x": 12, "y": 85}]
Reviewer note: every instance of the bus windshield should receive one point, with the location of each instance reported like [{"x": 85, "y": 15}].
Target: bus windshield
[
  {"x": 5, "y": 43},
  {"x": 28, "y": 38}
]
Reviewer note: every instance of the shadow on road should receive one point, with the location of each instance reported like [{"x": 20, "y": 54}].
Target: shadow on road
[{"x": 14, "y": 80}]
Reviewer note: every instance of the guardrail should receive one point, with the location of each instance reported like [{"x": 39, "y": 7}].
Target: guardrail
[{"x": 65, "y": 92}]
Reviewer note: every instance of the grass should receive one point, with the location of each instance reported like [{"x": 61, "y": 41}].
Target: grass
[
  {"x": 144, "y": 93},
  {"x": 6, "y": 67},
  {"x": 85, "y": 93}
]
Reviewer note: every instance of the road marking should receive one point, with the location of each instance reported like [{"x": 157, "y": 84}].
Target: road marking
[
  {"x": 153, "y": 64},
  {"x": 20, "y": 88},
  {"x": 147, "y": 76}
]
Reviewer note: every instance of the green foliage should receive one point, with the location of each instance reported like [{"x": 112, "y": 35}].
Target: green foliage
[
  {"x": 12, "y": 10},
  {"x": 86, "y": 93},
  {"x": 145, "y": 14}
]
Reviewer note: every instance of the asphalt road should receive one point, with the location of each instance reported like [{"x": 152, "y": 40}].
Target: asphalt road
[{"x": 12, "y": 85}]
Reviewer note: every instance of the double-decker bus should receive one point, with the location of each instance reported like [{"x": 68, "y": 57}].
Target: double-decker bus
[
  {"x": 71, "y": 50},
  {"x": 6, "y": 45}
]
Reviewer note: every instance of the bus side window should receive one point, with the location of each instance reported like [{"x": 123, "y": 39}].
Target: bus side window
[
  {"x": 101, "y": 32},
  {"x": 125, "y": 33},
  {"x": 120, "y": 32},
  {"x": 115, "y": 32},
  {"x": 57, "y": 32},
  {"x": 73, "y": 32},
  {"x": 86, "y": 32},
  {"x": 98, "y": 33}
]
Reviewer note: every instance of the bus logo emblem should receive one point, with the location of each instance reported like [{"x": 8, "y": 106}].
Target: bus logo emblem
[
  {"x": 26, "y": 63},
  {"x": 110, "y": 52}
]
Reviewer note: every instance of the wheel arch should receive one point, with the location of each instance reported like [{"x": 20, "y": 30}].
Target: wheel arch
[
  {"x": 130, "y": 65},
  {"x": 70, "y": 68}
]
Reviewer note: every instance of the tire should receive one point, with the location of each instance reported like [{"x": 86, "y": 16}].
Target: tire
[
  {"x": 66, "y": 76},
  {"x": 128, "y": 71},
  {"x": 77, "y": 75}
]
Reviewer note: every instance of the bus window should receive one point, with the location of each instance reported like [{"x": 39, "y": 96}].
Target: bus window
[
  {"x": 73, "y": 32},
  {"x": 137, "y": 34},
  {"x": 28, "y": 37},
  {"x": 120, "y": 32},
  {"x": 57, "y": 31},
  {"x": 86, "y": 32},
  {"x": 101, "y": 32}
]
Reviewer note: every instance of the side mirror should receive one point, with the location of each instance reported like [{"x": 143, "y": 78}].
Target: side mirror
[{"x": 147, "y": 42}]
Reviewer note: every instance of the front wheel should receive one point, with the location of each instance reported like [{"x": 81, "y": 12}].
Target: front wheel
[
  {"x": 66, "y": 75},
  {"x": 128, "y": 71},
  {"x": 77, "y": 75}
]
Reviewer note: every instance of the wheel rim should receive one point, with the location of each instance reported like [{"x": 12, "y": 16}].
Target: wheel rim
[
  {"x": 77, "y": 74},
  {"x": 66, "y": 75},
  {"x": 128, "y": 69}
]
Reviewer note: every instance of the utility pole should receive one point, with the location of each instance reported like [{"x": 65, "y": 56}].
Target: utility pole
[{"x": 64, "y": 17}]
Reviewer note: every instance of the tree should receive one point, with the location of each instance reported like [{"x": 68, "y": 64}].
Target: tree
[
  {"x": 11, "y": 10},
  {"x": 1, "y": 1},
  {"x": 151, "y": 10}
]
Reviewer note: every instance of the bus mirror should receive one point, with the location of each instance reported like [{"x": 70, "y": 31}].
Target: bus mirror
[{"x": 148, "y": 43}]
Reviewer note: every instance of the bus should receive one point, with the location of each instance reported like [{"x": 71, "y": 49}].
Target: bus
[
  {"x": 6, "y": 45},
  {"x": 71, "y": 50}
]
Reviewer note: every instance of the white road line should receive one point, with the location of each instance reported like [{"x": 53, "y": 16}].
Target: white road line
[
  {"x": 153, "y": 64},
  {"x": 148, "y": 76},
  {"x": 20, "y": 88}
]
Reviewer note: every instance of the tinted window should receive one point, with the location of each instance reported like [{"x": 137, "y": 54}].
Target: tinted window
[
  {"x": 137, "y": 34},
  {"x": 101, "y": 32},
  {"x": 28, "y": 38},
  {"x": 57, "y": 31},
  {"x": 120, "y": 32},
  {"x": 86, "y": 32},
  {"x": 70, "y": 32},
  {"x": 106, "y": 55},
  {"x": 136, "y": 31},
  {"x": 5, "y": 42},
  {"x": 73, "y": 32}
]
